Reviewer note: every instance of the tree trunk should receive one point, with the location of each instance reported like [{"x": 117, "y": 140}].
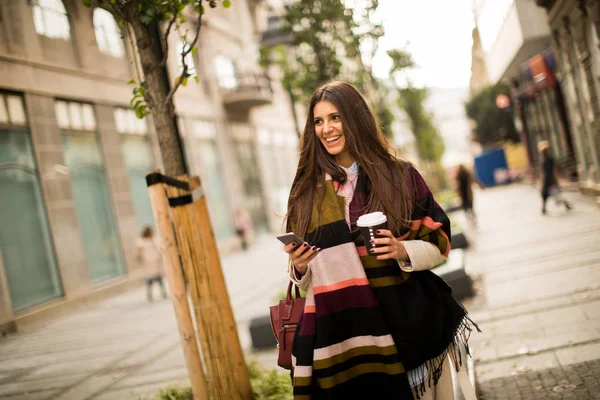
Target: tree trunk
[{"x": 156, "y": 92}]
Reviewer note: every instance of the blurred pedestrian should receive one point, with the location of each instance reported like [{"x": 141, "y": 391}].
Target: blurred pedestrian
[
  {"x": 550, "y": 186},
  {"x": 243, "y": 226},
  {"x": 148, "y": 255},
  {"x": 464, "y": 187},
  {"x": 376, "y": 323}
]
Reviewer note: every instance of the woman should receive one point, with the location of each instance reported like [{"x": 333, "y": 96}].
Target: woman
[
  {"x": 464, "y": 186},
  {"x": 243, "y": 225},
  {"x": 549, "y": 179},
  {"x": 382, "y": 324},
  {"x": 148, "y": 255}
]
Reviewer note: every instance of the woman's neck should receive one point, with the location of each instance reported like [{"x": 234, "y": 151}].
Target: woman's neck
[{"x": 345, "y": 160}]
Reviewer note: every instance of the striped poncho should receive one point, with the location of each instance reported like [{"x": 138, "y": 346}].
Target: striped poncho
[{"x": 366, "y": 322}]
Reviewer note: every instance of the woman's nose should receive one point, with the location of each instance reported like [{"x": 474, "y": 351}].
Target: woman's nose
[{"x": 326, "y": 127}]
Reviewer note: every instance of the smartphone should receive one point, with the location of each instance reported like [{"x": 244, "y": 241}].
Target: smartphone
[{"x": 290, "y": 237}]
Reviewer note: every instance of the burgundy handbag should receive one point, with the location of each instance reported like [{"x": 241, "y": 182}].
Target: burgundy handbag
[{"x": 284, "y": 320}]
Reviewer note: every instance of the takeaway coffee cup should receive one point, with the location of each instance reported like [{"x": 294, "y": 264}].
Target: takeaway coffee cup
[{"x": 369, "y": 224}]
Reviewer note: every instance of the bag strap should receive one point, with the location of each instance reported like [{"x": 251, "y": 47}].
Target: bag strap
[{"x": 288, "y": 296}]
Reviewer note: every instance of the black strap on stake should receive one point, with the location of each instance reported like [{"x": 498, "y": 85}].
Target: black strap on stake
[
  {"x": 157, "y": 177},
  {"x": 181, "y": 200}
]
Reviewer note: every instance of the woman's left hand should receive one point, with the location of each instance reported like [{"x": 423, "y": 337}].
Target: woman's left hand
[{"x": 388, "y": 247}]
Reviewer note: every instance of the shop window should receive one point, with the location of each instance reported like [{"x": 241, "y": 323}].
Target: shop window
[
  {"x": 139, "y": 159},
  {"x": 586, "y": 111},
  {"x": 251, "y": 181},
  {"x": 50, "y": 19},
  {"x": 26, "y": 249},
  {"x": 594, "y": 46},
  {"x": 205, "y": 161},
  {"x": 90, "y": 189}
]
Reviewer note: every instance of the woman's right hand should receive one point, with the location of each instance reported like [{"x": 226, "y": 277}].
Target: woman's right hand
[{"x": 301, "y": 255}]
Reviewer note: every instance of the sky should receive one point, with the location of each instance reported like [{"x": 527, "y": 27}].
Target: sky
[{"x": 436, "y": 32}]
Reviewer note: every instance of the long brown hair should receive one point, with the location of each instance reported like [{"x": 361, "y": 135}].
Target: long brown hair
[{"x": 386, "y": 176}]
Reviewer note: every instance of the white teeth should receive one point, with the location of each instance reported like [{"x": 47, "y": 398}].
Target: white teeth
[{"x": 332, "y": 139}]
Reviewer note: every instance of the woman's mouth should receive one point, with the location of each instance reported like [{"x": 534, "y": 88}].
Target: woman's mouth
[{"x": 333, "y": 140}]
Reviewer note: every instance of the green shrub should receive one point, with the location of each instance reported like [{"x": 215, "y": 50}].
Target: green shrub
[
  {"x": 174, "y": 393},
  {"x": 267, "y": 384}
]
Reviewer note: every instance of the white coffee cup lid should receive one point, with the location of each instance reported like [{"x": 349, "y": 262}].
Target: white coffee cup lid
[{"x": 371, "y": 219}]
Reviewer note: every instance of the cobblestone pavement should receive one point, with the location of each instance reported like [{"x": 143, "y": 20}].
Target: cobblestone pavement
[{"x": 578, "y": 381}]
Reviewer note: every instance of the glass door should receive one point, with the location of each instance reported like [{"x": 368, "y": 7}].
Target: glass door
[
  {"x": 25, "y": 243},
  {"x": 204, "y": 160},
  {"x": 92, "y": 204},
  {"x": 139, "y": 159},
  {"x": 251, "y": 184}
]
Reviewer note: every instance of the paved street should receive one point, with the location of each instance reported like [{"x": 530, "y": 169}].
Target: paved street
[{"x": 539, "y": 309}]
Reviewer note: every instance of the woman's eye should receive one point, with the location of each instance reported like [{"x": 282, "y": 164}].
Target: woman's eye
[
  {"x": 336, "y": 118},
  {"x": 318, "y": 121}
]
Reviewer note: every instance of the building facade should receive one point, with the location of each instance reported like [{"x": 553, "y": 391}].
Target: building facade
[
  {"x": 575, "y": 29},
  {"x": 511, "y": 32},
  {"x": 479, "y": 75},
  {"x": 549, "y": 54},
  {"x": 73, "y": 156}
]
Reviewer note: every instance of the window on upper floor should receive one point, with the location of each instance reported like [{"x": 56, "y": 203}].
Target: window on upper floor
[
  {"x": 108, "y": 34},
  {"x": 75, "y": 116},
  {"x": 50, "y": 19},
  {"x": 226, "y": 72}
]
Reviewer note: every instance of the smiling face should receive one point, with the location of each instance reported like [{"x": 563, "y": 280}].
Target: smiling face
[{"x": 330, "y": 131}]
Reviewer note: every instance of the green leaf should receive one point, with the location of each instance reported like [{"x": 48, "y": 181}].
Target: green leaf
[
  {"x": 226, "y": 3},
  {"x": 140, "y": 112},
  {"x": 197, "y": 79},
  {"x": 87, "y": 3},
  {"x": 194, "y": 50},
  {"x": 184, "y": 81},
  {"x": 131, "y": 82},
  {"x": 142, "y": 91}
]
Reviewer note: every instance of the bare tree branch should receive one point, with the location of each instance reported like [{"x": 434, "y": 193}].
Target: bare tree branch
[
  {"x": 165, "y": 41},
  {"x": 134, "y": 57},
  {"x": 184, "y": 73}
]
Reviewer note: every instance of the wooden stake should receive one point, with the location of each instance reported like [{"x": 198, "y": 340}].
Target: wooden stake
[
  {"x": 172, "y": 265},
  {"x": 211, "y": 333},
  {"x": 213, "y": 262}
]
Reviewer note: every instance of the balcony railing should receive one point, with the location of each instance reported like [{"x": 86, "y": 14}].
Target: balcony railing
[{"x": 244, "y": 91}]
